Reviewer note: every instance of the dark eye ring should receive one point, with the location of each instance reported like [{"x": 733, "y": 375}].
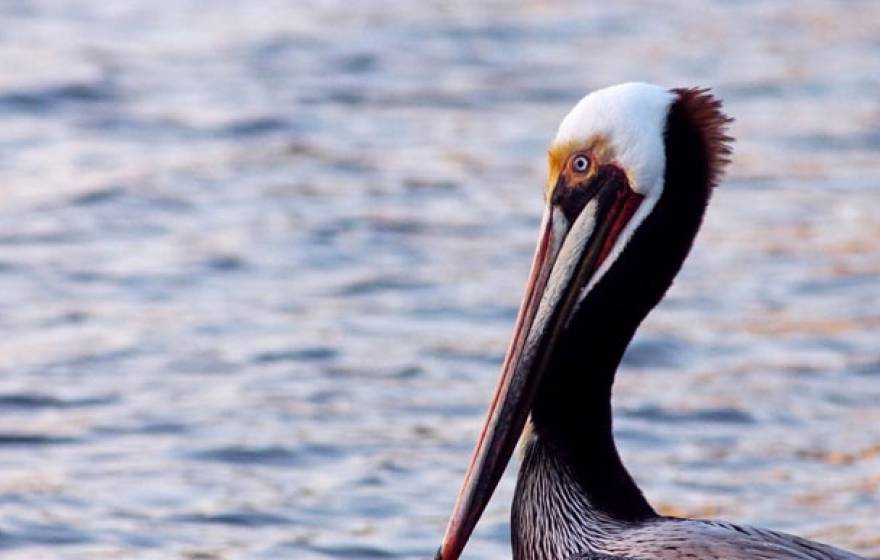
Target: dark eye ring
[{"x": 580, "y": 164}]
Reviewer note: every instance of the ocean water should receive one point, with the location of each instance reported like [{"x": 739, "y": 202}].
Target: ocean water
[{"x": 259, "y": 262}]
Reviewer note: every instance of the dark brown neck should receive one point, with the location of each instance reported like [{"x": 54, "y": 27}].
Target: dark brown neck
[{"x": 572, "y": 410}]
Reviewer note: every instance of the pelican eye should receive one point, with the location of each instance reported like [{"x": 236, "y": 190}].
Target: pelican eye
[{"x": 580, "y": 164}]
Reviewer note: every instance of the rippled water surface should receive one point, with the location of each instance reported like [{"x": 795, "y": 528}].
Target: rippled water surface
[{"x": 259, "y": 262}]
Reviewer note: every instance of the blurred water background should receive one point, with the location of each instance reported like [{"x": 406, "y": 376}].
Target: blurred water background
[{"x": 259, "y": 261}]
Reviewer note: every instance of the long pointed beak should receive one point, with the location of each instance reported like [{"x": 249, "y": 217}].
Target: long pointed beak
[{"x": 566, "y": 258}]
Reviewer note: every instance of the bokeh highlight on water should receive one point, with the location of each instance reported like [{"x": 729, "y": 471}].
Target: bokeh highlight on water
[{"x": 259, "y": 262}]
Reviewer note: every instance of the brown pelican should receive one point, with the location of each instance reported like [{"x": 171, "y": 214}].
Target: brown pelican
[{"x": 631, "y": 170}]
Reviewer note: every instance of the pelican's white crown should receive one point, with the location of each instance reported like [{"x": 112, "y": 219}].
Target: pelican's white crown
[{"x": 632, "y": 118}]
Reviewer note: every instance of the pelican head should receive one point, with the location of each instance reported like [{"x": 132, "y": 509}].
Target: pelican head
[{"x": 630, "y": 173}]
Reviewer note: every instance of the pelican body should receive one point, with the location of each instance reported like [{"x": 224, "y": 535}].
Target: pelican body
[{"x": 631, "y": 171}]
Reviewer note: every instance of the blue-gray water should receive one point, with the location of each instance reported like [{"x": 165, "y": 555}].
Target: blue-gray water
[{"x": 259, "y": 261}]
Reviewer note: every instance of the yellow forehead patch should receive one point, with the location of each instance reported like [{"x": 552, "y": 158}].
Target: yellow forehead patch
[{"x": 598, "y": 146}]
